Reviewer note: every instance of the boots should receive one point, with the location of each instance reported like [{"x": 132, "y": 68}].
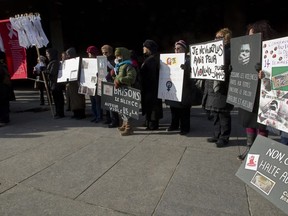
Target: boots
[
  {"x": 128, "y": 130},
  {"x": 250, "y": 140},
  {"x": 122, "y": 128}
]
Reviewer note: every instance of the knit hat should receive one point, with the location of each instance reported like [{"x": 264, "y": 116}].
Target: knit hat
[
  {"x": 93, "y": 50},
  {"x": 151, "y": 45},
  {"x": 181, "y": 43}
]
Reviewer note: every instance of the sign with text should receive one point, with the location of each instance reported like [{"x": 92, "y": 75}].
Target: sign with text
[
  {"x": 69, "y": 70},
  {"x": 171, "y": 76},
  {"x": 88, "y": 76},
  {"x": 245, "y": 55},
  {"x": 102, "y": 72},
  {"x": 207, "y": 60},
  {"x": 124, "y": 100},
  {"x": 273, "y": 109},
  {"x": 265, "y": 169},
  {"x": 14, "y": 53}
]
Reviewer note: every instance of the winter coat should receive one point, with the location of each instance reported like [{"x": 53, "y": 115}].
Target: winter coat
[{"x": 215, "y": 92}]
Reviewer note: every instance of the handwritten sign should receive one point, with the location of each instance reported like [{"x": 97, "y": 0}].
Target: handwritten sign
[
  {"x": 124, "y": 100},
  {"x": 207, "y": 60},
  {"x": 266, "y": 171}
]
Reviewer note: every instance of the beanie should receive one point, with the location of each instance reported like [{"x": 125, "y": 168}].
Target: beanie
[
  {"x": 93, "y": 50},
  {"x": 151, "y": 45},
  {"x": 181, "y": 43}
]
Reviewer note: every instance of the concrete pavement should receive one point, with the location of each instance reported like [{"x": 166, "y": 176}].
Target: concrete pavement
[{"x": 68, "y": 167}]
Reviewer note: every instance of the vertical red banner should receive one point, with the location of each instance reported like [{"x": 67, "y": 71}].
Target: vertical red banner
[{"x": 15, "y": 54}]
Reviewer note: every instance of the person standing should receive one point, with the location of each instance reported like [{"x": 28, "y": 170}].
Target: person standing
[
  {"x": 249, "y": 119},
  {"x": 215, "y": 96},
  {"x": 77, "y": 101},
  {"x": 180, "y": 111},
  {"x": 152, "y": 107},
  {"x": 56, "y": 88},
  {"x": 95, "y": 100},
  {"x": 112, "y": 117},
  {"x": 39, "y": 82},
  {"x": 4, "y": 98},
  {"x": 125, "y": 75}
]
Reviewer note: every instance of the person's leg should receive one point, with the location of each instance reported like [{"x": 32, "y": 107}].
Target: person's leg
[
  {"x": 225, "y": 129},
  {"x": 184, "y": 120},
  {"x": 174, "y": 119}
]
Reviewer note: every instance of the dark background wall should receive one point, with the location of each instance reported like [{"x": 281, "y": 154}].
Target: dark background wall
[{"x": 130, "y": 22}]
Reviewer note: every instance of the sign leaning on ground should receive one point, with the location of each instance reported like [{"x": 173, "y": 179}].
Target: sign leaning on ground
[
  {"x": 124, "y": 100},
  {"x": 265, "y": 169}
]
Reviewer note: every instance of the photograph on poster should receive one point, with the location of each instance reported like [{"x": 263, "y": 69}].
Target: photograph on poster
[{"x": 262, "y": 182}]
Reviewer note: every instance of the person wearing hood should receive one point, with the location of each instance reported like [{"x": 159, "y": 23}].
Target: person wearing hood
[
  {"x": 124, "y": 75},
  {"x": 152, "y": 107},
  {"x": 78, "y": 101}
]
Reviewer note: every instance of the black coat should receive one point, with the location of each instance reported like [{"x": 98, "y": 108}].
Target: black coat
[{"x": 216, "y": 100}]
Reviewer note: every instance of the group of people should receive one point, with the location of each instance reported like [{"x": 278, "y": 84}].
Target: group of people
[{"x": 124, "y": 70}]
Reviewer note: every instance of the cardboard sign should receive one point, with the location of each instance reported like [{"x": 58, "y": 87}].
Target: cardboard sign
[
  {"x": 265, "y": 169},
  {"x": 207, "y": 60},
  {"x": 124, "y": 100},
  {"x": 245, "y": 54}
]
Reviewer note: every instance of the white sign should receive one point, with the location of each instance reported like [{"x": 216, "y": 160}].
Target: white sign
[
  {"x": 171, "y": 76},
  {"x": 207, "y": 60}
]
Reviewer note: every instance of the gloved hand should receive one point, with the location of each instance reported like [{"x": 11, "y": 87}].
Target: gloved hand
[
  {"x": 182, "y": 66},
  {"x": 258, "y": 67},
  {"x": 116, "y": 83}
]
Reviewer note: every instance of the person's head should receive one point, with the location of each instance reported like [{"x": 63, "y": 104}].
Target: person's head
[
  {"x": 71, "y": 53},
  {"x": 93, "y": 52},
  {"x": 51, "y": 54},
  {"x": 63, "y": 56},
  {"x": 224, "y": 33},
  {"x": 107, "y": 50},
  {"x": 122, "y": 54},
  {"x": 263, "y": 27},
  {"x": 180, "y": 46},
  {"x": 41, "y": 58},
  {"x": 150, "y": 47}
]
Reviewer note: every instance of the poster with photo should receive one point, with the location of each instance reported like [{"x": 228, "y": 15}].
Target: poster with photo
[
  {"x": 102, "y": 72},
  {"x": 88, "y": 76},
  {"x": 245, "y": 55},
  {"x": 265, "y": 170},
  {"x": 69, "y": 70},
  {"x": 171, "y": 76},
  {"x": 207, "y": 60},
  {"x": 273, "y": 109}
]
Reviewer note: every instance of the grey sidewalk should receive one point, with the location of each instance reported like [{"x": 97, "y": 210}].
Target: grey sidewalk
[{"x": 68, "y": 167}]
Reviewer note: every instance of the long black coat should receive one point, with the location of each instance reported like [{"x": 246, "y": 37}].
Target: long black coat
[{"x": 149, "y": 73}]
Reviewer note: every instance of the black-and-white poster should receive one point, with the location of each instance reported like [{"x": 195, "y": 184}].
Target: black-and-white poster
[
  {"x": 88, "y": 76},
  {"x": 124, "y": 100},
  {"x": 69, "y": 70},
  {"x": 207, "y": 60},
  {"x": 265, "y": 169},
  {"x": 245, "y": 54}
]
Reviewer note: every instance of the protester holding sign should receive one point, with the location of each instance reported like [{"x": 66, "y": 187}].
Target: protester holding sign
[
  {"x": 249, "y": 119},
  {"x": 215, "y": 96},
  {"x": 180, "y": 111},
  {"x": 124, "y": 75}
]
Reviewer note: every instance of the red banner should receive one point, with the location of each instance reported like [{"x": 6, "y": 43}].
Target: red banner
[{"x": 15, "y": 54}]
